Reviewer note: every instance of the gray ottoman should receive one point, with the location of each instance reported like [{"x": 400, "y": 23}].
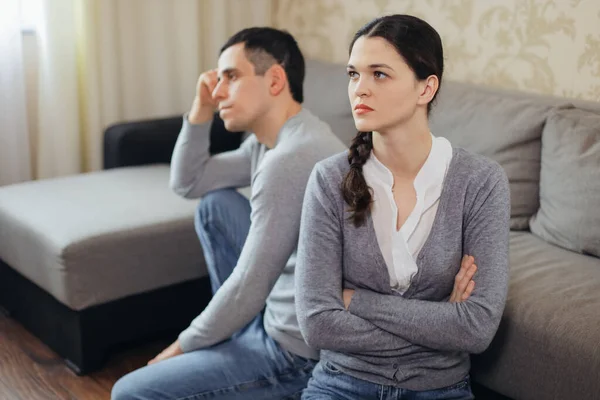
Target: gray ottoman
[{"x": 96, "y": 259}]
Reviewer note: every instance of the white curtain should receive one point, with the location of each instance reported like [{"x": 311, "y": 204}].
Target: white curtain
[
  {"x": 107, "y": 61},
  {"x": 15, "y": 161}
]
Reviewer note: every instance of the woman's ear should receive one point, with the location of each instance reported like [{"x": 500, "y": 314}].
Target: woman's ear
[
  {"x": 278, "y": 79},
  {"x": 428, "y": 88}
]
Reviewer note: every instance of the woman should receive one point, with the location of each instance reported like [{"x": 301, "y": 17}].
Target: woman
[{"x": 383, "y": 231}]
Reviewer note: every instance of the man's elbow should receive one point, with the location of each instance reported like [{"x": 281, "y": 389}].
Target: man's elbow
[{"x": 180, "y": 189}]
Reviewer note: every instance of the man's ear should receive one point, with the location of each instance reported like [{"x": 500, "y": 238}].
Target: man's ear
[
  {"x": 278, "y": 79},
  {"x": 428, "y": 88}
]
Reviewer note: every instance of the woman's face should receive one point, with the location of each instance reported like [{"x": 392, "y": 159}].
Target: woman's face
[{"x": 383, "y": 90}]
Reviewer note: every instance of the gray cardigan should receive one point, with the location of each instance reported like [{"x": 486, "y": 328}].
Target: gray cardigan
[{"x": 417, "y": 341}]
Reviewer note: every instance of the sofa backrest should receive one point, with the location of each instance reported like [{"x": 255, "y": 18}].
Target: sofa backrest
[
  {"x": 326, "y": 95},
  {"x": 504, "y": 128},
  {"x": 501, "y": 124}
]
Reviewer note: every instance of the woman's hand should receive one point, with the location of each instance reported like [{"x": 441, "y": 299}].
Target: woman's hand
[
  {"x": 464, "y": 283},
  {"x": 347, "y": 294}
]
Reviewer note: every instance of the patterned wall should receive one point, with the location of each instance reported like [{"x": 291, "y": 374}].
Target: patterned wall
[{"x": 543, "y": 46}]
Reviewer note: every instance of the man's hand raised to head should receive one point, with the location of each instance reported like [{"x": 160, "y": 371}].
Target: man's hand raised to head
[{"x": 204, "y": 104}]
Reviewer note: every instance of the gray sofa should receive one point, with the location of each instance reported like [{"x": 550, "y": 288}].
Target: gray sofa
[{"x": 107, "y": 250}]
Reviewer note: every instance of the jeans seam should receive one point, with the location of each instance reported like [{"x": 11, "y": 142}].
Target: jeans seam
[{"x": 233, "y": 387}]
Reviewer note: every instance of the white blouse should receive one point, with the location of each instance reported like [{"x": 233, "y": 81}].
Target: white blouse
[{"x": 401, "y": 248}]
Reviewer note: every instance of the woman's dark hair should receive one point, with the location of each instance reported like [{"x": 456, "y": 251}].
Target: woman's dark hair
[
  {"x": 267, "y": 46},
  {"x": 421, "y": 48}
]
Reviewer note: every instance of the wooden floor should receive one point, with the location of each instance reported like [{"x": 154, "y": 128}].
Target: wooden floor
[{"x": 31, "y": 371}]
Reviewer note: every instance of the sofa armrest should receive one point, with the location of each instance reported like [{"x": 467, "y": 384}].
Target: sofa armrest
[{"x": 152, "y": 141}]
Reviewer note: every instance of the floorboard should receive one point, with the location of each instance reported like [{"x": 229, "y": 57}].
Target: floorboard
[{"x": 29, "y": 370}]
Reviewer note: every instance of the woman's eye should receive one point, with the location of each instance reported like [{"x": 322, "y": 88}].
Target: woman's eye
[
  {"x": 379, "y": 75},
  {"x": 352, "y": 74}
]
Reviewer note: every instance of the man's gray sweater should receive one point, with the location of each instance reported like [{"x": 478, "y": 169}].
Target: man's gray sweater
[
  {"x": 264, "y": 273},
  {"x": 418, "y": 340}
]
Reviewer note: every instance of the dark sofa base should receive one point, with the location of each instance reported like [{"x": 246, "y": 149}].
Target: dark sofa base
[{"x": 83, "y": 337}]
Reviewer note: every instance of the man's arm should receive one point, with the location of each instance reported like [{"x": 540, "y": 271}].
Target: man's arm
[
  {"x": 276, "y": 201},
  {"x": 195, "y": 172},
  {"x": 324, "y": 321},
  {"x": 464, "y": 326}
]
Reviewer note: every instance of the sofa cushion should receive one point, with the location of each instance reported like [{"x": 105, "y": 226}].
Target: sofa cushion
[
  {"x": 569, "y": 214},
  {"x": 548, "y": 343},
  {"x": 326, "y": 95},
  {"x": 505, "y": 128},
  {"x": 92, "y": 238}
]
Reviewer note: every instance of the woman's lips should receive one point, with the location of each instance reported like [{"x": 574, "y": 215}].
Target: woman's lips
[{"x": 362, "y": 109}]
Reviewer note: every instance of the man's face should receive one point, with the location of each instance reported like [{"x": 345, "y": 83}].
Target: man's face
[{"x": 241, "y": 95}]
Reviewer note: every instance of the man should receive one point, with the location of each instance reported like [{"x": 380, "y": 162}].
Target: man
[{"x": 231, "y": 350}]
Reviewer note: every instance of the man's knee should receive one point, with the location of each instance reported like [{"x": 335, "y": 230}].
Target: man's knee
[
  {"x": 214, "y": 204},
  {"x": 125, "y": 389},
  {"x": 221, "y": 208}
]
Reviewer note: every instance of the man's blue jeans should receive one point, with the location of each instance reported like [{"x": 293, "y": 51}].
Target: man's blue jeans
[
  {"x": 328, "y": 382},
  {"x": 250, "y": 365}
]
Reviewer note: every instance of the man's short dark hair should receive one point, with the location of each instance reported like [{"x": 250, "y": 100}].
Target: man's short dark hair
[{"x": 267, "y": 46}]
